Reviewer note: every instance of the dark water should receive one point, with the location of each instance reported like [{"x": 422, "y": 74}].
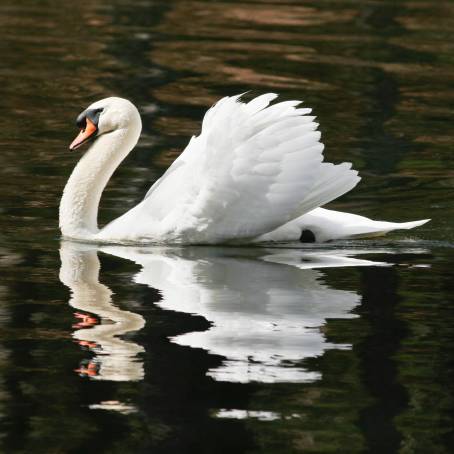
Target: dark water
[{"x": 341, "y": 348}]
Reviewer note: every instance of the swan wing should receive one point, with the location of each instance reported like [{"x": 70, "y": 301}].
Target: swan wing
[{"x": 253, "y": 168}]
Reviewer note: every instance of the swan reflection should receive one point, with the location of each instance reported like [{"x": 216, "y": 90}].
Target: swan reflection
[
  {"x": 265, "y": 306},
  {"x": 100, "y": 322}
]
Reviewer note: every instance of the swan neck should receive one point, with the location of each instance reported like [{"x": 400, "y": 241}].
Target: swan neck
[{"x": 82, "y": 193}]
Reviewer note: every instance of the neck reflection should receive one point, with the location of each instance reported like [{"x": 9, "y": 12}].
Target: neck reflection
[{"x": 99, "y": 321}]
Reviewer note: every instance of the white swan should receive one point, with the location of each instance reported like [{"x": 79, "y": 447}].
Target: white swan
[{"x": 255, "y": 173}]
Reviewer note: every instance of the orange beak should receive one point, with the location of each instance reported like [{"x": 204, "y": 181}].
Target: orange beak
[{"x": 84, "y": 135}]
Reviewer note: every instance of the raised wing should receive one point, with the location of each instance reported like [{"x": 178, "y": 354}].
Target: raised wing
[{"x": 253, "y": 168}]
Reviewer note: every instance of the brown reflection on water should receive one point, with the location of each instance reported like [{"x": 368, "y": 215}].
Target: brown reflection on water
[
  {"x": 286, "y": 15},
  {"x": 219, "y": 45},
  {"x": 233, "y": 44},
  {"x": 230, "y": 20},
  {"x": 429, "y": 16}
]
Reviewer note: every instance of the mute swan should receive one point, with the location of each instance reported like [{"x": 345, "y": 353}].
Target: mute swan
[{"x": 255, "y": 173}]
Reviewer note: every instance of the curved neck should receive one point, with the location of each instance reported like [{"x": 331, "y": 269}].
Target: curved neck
[{"x": 80, "y": 201}]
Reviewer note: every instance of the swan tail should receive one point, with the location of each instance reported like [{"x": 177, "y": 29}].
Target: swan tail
[
  {"x": 321, "y": 225},
  {"x": 370, "y": 228},
  {"x": 333, "y": 181},
  {"x": 408, "y": 225}
]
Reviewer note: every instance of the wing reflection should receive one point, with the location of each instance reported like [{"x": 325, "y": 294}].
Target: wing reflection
[
  {"x": 266, "y": 306},
  {"x": 115, "y": 359}
]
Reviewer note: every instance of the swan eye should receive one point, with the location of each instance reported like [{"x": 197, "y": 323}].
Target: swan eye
[{"x": 91, "y": 114}]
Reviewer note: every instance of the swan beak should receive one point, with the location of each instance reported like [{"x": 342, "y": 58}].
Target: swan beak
[{"x": 84, "y": 135}]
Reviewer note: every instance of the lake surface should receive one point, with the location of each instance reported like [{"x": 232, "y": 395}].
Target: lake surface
[{"x": 344, "y": 347}]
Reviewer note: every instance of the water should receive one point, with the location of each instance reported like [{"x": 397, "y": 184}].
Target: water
[{"x": 344, "y": 347}]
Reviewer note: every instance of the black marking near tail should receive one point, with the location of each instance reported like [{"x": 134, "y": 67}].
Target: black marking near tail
[{"x": 307, "y": 236}]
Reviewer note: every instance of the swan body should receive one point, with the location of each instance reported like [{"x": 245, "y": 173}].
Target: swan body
[{"x": 255, "y": 173}]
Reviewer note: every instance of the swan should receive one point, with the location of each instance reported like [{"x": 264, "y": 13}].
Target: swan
[{"x": 254, "y": 174}]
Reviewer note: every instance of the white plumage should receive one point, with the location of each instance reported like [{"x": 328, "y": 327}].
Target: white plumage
[{"x": 255, "y": 173}]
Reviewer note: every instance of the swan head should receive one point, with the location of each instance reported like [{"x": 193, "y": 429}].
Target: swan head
[{"x": 104, "y": 117}]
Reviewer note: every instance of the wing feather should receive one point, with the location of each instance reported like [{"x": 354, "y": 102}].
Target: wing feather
[{"x": 253, "y": 168}]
